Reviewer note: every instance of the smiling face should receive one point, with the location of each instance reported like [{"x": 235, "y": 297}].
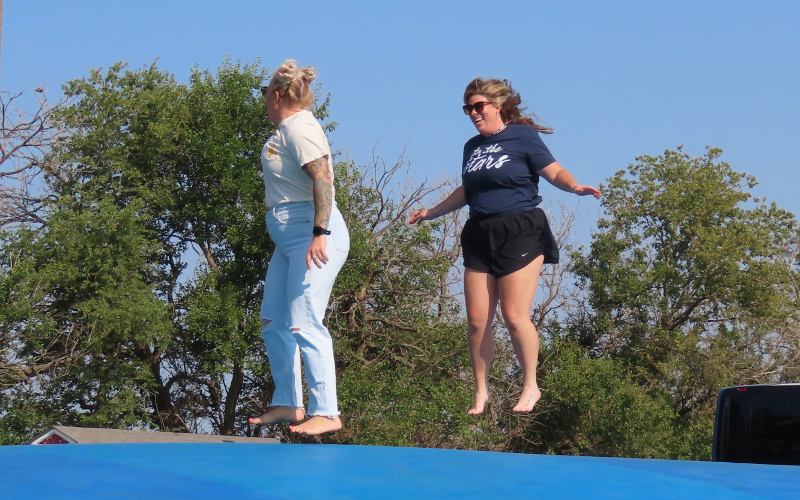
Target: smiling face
[{"x": 484, "y": 113}]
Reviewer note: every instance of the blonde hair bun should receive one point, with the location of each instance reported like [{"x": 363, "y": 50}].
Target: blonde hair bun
[
  {"x": 293, "y": 83},
  {"x": 289, "y": 72}
]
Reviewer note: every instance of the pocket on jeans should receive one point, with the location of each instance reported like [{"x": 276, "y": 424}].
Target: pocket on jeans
[
  {"x": 293, "y": 219},
  {"x": 341, "y": 242},
  {"x": 296, "y": 221}
]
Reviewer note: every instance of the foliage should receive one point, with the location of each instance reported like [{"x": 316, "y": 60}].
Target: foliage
[
  {"x": 593, "y": 406},
  {"x": 691, "y": 281},
  {"x": 131, "y": 298},
  {"x": 400, "y": 343},
  {"x": 77, "y": 308},
  {"x": 184, "y": 160},
  {"x": 155, "y": 173}
]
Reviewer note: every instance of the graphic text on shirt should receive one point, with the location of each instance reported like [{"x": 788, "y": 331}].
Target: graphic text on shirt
[{"x": 484, "y": 157}]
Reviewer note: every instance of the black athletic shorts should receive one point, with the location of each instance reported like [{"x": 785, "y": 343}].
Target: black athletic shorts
[{"x": 501, "y": 244}]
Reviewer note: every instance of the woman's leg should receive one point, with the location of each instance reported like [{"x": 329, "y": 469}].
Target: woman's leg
[
  {"x": 307, "y": 306},
  {"x": 480, "y": 293},
  {"x": 282, "y": 350},
  {"x": 516, "y": 291}
]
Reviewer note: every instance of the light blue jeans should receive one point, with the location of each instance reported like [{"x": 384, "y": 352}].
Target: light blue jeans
[{"x": 295, "y": 300}]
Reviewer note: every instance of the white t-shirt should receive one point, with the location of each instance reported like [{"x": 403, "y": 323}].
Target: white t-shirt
[{"x": 298, "y": 141}]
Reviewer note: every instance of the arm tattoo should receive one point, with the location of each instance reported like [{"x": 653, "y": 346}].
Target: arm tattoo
[{"x": 320, "y": 174}]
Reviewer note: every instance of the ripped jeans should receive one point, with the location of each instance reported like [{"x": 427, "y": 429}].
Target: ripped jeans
[{"x": 295, "y": 300}]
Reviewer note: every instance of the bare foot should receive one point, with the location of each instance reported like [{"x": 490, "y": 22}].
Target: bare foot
[
  {"x": 279, "y": 415},
  {"x": 317, "y": 425},
  {"x": 527, "y": 400},
  {"x": 481, "y": 398}
]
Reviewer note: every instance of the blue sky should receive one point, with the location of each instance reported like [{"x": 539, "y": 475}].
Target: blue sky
[{"x": 616, "y": 79}]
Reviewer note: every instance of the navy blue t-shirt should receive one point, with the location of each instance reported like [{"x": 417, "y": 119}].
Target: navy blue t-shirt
[{"x": 500, "y": 172}]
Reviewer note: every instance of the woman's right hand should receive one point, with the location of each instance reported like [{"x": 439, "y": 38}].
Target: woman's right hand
[{"x": 419, "y": 215}]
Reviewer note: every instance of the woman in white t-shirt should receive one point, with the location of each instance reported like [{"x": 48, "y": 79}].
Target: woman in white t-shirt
[{"x": 311, "y": 245}]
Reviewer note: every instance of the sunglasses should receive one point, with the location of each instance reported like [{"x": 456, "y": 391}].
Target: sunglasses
[{"x": 478, "y": 107}]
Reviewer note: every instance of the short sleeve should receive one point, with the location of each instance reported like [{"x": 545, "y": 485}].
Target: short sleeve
[
  {"x": 536, "y": 153},
  {"x": 306, "y": 141}
]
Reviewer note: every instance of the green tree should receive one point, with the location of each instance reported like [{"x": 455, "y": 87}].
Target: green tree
[
  {"x": 179, "y": 163},
  {"x": 184, "y": 160},
  {"x": 77, "y": 305},
  {"x": 690, "y": 280},
  {"x": 131, "y": 297},
  {"x": 594, "y": 406},
  {"x": 400, "y": 337}
]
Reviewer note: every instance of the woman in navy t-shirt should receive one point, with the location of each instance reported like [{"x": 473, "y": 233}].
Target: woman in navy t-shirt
[{"x": 507, "y": 238}]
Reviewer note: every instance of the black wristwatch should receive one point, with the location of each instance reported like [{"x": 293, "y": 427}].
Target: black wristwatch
[{"x": 319, "y": 231}]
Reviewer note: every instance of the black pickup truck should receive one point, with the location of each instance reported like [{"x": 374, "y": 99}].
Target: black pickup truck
[{"x": 758, "y": 424}]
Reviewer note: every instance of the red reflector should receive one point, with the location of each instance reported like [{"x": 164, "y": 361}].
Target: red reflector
[{"x": 741, "y": 389}]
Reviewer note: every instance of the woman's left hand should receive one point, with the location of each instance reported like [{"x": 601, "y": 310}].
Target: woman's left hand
[
  {"x": 317, "y": 252},
  {"x": 582, "y": 190}
]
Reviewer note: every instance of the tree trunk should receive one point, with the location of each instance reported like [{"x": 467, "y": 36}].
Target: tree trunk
[
  {"x": 228, "y": 424},
  {"x": 167, "y": 416}
]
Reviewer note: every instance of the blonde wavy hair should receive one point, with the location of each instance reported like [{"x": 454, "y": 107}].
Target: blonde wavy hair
[
  {"x": 507, "y": 99},
  {"x": 293, "y": 84}
]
